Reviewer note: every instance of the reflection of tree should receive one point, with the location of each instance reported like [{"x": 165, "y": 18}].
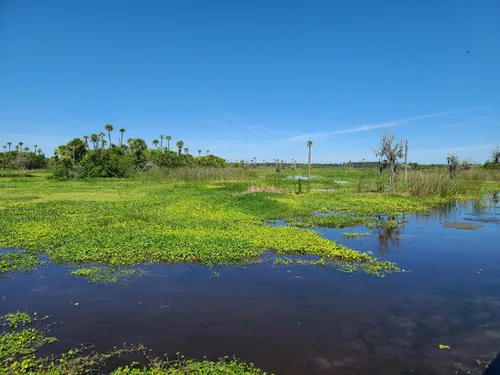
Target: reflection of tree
[
  {"x": 389, "y": 235},
  {"x": 494, "y": 197}
]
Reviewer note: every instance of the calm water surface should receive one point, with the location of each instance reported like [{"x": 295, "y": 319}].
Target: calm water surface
[{"x": 296, "y": 319}]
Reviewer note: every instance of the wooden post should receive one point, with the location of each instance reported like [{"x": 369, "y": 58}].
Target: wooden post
[{"x": 406, "y": 162}]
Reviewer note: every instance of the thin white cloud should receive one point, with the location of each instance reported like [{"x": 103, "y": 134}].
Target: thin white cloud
[
  {"x": 457, "y": 149},
  {"x": 365, "y": 127},
  {"x": 253, "y": 131}
]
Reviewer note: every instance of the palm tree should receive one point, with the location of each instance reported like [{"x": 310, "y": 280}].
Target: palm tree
[
  {"x": 21, "y": 146},
  {"x": 208, "y": 152},
  {"x": 168, "y": 138},
  {"x": 161, "y": 141},
  {"x": 121, "y": 136},
  {"x": 363, "y": 163},
  {"x": 199, "y": 153},
  {"x": 9, "y": 144},
  {"x": 180, "y": 144},
  {"x": 103, "y": 144},
  {"x": 109, "y": 128},
  {"x": 101, "y": 138},
  {"x": 17, "y": 148},
  {"x": 40, "y": 152},
  {"x": 94, "y": 138},
  {"x": 309, "y": 144},
  {"x": 86, "y": 138},
  {"x": 155, "y": 143},
  {"x": 35, "y": 146},
  {"x": 26, "y": 149},
  {"x": 186, "y": 151},
  {"x": 4, "y": 148}
]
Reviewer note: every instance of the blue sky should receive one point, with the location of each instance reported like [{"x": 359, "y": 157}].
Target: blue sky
[{"x": 255, "y": 78}]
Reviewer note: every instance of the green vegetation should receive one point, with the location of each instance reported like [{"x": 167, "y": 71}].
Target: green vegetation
[
  {"x": 353, "y": 235},
  {"x": 206, "y": 215},
  {"x": 78, "y": 159},
  {"x": 128, "y": 222},
  {"x": 18, "y": 349},
  {"x": 18, "y": 261},
  {"x": 107, "y": 274}
]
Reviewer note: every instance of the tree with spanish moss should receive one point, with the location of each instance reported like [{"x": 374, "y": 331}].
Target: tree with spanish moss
[
  {"x": 390, "y": 153},
  {"x": 453, "y": 164}
]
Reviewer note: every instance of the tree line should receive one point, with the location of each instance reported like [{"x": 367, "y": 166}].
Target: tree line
[
  {"x": 20, "y": 156},
  {"x": 97, "y": 156}
]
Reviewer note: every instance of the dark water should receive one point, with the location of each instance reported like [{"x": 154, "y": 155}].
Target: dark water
[{"x": 296, "y": 319}]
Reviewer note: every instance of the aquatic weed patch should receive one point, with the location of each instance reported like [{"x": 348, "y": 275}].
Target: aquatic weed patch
[
  {"x": 129, "y": 222},
  {"x": 19, "y": 261},
  {"x": 18, "y": 355},
  {"x": 106, "y": 274}
]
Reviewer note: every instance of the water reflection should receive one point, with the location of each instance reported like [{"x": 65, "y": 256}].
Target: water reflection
[{"x": 388, "y": 237}]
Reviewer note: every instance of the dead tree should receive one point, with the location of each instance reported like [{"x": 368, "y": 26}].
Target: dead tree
[{"x": 391, "y": 153}]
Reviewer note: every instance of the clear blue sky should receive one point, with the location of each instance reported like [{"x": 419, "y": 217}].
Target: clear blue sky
[{"x": 255, "y": 78}]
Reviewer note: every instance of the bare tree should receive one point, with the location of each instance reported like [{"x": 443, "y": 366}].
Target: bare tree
[
  {"x": 390, "y": 153},
  {"x": 453, "y": 164},
  {"x": 495, "y": 155},
  {"x": 406, "y": 161},
  {"x": 309, "y": 145}
]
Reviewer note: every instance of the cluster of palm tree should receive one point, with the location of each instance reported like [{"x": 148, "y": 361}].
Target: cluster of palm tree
[
  {"x": 20, "y": 149},
  {"x": 99, "y": 141}
]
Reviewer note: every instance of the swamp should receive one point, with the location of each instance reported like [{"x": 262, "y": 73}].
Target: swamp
[{"x": 239, "y": 274}]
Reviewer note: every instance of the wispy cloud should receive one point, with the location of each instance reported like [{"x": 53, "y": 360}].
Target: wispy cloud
[
  {"x": 456, "y": 149},
  {"x": 366, "y": 127},
  {"x": 253, "y": 131}
]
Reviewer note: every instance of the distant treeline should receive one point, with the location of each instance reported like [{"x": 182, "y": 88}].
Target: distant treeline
[
  {"x": 20, "y": 157},
  {"x": 93, "y": 156}
]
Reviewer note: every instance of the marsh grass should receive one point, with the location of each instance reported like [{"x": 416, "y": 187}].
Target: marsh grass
[{"x": 158, "y": 174}]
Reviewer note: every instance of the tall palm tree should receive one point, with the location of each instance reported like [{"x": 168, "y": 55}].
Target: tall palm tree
[
  {"x": 199, "y": 152},
  {"x": 9, "y": 144},
  {"x": 86, "y": 138},
  {"x": 309, "y": 145},
  {"x": 186, "y": 151},
  {"x": 208, "y": 152},
  {"x": 121, "y": 136},
  {"x": 109, "y": 128},
  {"x": 26, "y": 149},
  {"x": 155, "y": 143},
  {"x": 94, "y": 138},
  {"x": 180, "y": 144},
  {"x": 40, "y": 152},
  {"x": 21, "y": 146},
  {"x": 101, "y": 138},
  {"x": 168, "y": 138},
  {"x": 35, "y": 146},
  {"x": 161, "y": 141},
  {"x": 17, "y": 148},
  {"x": 4, "y": 148}
]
